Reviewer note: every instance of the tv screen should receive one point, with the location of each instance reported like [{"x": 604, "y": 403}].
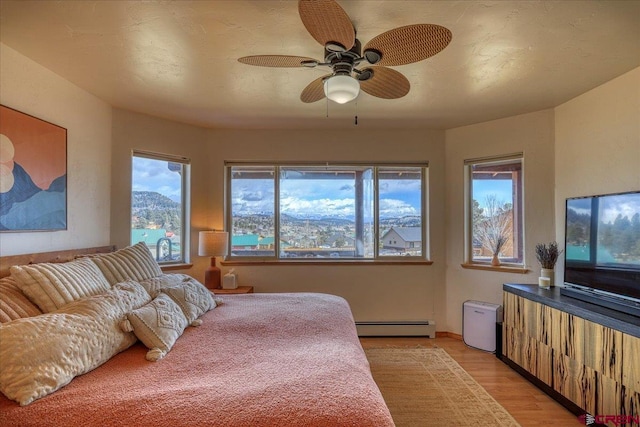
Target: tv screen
[{"x": 602, "y": 243}]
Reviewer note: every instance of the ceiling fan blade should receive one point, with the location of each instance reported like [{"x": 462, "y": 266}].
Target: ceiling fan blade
[
  {"x": 327, "y": 22},
  {"x": 385, "y": 83},
  {"x": 314, "y": 90},
  {"x": 411, "y": 43},
  {"x": 284, "y": 61}
]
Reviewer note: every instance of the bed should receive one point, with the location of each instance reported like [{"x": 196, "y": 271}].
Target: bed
[{"x": 256, "y": 360}]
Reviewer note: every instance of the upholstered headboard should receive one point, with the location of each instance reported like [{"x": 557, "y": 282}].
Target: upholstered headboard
[{"x": 56, "y": 256}]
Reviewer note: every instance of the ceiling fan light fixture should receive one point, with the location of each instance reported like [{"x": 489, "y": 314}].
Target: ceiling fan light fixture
[{"x": 341, "y": 88}]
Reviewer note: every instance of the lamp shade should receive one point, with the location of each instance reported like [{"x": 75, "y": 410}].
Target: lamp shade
[
  {"x": 341, "y": 88},
  {"x": 213, "y": 243}
]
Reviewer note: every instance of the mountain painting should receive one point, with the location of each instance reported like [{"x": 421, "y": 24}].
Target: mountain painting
[{"x": 33, "y": 173}]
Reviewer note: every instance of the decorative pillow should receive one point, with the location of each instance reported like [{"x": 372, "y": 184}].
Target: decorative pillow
[
  {"x": 155, "y": 284},
  {"x": 13, "y": 303},
  {"x": 131, "y": 263},
  {"x": 50, "y": 286},
  {"x": 193, "y": 298},
  {"x": 158, "y": 325},
  {"x": 41, "y": 354}
]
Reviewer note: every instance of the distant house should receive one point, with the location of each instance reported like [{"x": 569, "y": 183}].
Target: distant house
[
  {"x": 402, "y": 238},
  {"x": 340, "y": 241}
]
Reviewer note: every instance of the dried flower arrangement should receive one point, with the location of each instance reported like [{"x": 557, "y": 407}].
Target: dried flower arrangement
[
  {"x": 547, "y": 255},
  {"x": 498, "y": 244}
]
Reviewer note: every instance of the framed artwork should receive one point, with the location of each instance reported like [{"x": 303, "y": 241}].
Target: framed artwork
[{"x": 33, "y": 173}]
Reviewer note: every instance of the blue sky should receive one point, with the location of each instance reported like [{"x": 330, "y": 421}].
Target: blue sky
[
  {"x": 501, "y": 188},
  {"x": 323, "y": 197}
]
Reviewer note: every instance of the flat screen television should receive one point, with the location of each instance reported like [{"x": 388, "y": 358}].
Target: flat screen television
[{"x": 602, "y": 251}]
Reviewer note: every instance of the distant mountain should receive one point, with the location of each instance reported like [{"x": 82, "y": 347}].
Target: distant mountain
[
  {"x": 405, "y": 221},
  {"x": 326, "y": 220},
  {"x": 154, "y": 210},
  {"x": 152, "y": 200}
]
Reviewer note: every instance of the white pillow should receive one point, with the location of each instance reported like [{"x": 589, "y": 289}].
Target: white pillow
[
  {"x": 41, "y": 354},
  {"x": 13, "y": 303},
  {"x": 52, "y": 285},
  {"x": 155, "y": 284},
  {"x": 192, "y": 297},
  {"x": 158, "y": 325},
  {"x": 131, "y": 263}
]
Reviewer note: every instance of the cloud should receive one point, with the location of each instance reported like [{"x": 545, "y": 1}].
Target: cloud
[
  {"x": 393, "y": 208},
  {"x": 322, "y": 198},
  {"x": 318, "y": 207},
  {"x": 154, "y": 175}
]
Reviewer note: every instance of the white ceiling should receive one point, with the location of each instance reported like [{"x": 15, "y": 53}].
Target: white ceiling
[{"x": 178, "y": 59}]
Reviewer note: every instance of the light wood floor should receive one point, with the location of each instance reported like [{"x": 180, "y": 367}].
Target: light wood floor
[{"x": 525, "y": 402}]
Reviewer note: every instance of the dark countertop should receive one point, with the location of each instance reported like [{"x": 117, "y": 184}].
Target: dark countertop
[{"x": 604, "y": 316}]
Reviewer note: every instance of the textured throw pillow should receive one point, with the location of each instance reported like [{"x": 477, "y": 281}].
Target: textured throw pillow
[
  {"x": 131, "y": 263},
  {"x": 155, "y": 284},
  {"x": 193, "y": 298},
  {"x": 41, "y": 354},
  {"x": 50, "y": 286},
  {"x": 158, "y": 325},
  {"x": 13, "y": 303}
]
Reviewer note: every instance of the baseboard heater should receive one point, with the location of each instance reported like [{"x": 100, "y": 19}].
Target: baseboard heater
[{"x": 424, "y": 328}]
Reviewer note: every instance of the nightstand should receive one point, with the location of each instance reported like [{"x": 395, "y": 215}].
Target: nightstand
[{"x": 239, "y": 290}]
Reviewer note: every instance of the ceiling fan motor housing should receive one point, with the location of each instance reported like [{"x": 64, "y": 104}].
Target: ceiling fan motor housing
[{"x": 342, "y": 63}]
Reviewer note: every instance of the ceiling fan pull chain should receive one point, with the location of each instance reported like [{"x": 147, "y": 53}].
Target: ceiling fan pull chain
[
  {"x": 356, "y": 117},
  {"x": 327, "y": 99}
]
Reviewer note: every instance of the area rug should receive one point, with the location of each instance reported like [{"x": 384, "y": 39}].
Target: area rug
[{"x": 426, "y": 387}]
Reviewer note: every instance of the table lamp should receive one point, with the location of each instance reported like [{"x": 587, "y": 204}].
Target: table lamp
[{"x": 213, "y": 244}]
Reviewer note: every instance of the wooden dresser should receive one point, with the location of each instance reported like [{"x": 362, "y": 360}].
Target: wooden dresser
[{"x": 585, "y": 356}]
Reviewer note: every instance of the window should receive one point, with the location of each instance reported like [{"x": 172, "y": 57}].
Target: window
[
  {"x": 158, "y": 205},
  {"x": 326, "y": 211},
  {"x": 494, "y": 209}
]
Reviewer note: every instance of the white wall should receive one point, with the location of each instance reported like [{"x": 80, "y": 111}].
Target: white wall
[
  {"x": 531, "y": 134},
  {"x": 28, "y": 87},
  {"x": 597, "y": 144}
]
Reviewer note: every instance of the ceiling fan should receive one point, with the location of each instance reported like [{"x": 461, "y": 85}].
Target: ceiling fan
[{"x": 330, "y": 25}]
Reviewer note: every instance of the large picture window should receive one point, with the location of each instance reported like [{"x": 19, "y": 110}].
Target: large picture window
[
  {"x": 158, "y": 205},
  {"x": 494, "y": 208},
  {"x": 326, "y": 212}
]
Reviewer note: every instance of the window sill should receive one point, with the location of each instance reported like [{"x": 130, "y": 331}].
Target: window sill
[
  {"x": 170, "y": 267},
  {"x": 327, "y": 262},
  {"x": 499, "y": 268}
]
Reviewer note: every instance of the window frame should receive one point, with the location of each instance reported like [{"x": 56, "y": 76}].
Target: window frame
[
  {"x": 518, "y": 207},
  {"x": 185, "y": 187},
  {"x": 424, "y": 258}
]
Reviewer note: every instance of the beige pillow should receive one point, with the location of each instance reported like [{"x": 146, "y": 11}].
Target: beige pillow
[
  {"x": 41, "y": 354},
  {"x": 155, "y": 284},
  {"x": 158, "y": 325},
  {"x": 192, "y": 297},
  {"x": 13, "y": 303},
  {"x": 131, "y": 263},
  {"x": 50, "y": 286}
]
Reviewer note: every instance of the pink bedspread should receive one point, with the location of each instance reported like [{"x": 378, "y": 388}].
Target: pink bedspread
[{"x": 257, "y": 360}]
